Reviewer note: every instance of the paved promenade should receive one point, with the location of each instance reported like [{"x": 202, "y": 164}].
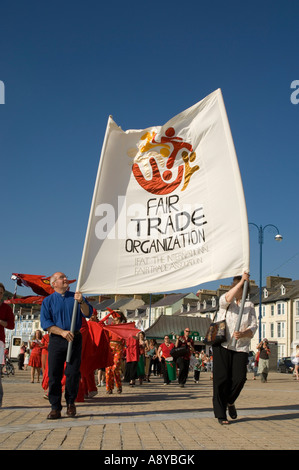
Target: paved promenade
[{"x": 153, "y": 417}]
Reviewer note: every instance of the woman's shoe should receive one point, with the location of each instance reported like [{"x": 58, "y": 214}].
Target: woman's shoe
[
  {"x": 232, "y": 411},
  {"x": 223, "y": 421}
]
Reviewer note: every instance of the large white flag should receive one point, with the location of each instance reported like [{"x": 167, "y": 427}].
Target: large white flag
[{"x": 168, "y": 210}]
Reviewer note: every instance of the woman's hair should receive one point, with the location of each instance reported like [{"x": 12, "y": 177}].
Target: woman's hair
[
  {"x": 121, "y": 316},
  {"x": 236, "y": 281}
]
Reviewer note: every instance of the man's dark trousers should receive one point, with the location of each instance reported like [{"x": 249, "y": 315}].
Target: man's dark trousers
[{"x": 57, "y": 351}]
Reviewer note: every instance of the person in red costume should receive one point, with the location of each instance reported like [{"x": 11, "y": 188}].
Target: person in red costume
[
  {"x": 7, "y": 320},
  {"x": 132, "y": 358},
  {"x": 35, "y": 361},
  {"x": 163, "y": 353},
  {"x": 45, "y": 342}
]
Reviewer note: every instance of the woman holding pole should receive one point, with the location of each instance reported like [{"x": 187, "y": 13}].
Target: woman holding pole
[{"x": 231, "y": 357}]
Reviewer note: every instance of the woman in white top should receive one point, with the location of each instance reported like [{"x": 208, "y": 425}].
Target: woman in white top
[{"x": 230, "y": 361}]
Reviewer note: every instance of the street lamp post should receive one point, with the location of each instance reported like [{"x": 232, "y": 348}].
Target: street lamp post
[{"x": 278, "y": 238}]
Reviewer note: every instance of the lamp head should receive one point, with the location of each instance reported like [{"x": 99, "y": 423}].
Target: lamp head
[{"x": 278, "y": 237}]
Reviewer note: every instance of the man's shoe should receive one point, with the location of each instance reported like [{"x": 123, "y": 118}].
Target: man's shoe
[
  {"x": 232, "y": 411},
  {"x": 54, "y": 414},
  {"x": 71, "y": 410}
]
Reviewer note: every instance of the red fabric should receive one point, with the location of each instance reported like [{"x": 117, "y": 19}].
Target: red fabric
[
  {"x": 113, "y": 337},
  {"x": 87, "y": 384},
  {"x": 45, "y": 343},
  {"x": 6, "y": 314},
  {"x": 132, "y": 350},
  {"x": 96, "y": 352},
  {"x": 123, "y": 330}
]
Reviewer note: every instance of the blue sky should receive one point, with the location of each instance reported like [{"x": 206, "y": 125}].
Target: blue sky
[{"x": 68, "y": 65}]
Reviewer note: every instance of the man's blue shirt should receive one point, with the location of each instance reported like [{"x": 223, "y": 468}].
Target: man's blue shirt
[{"x": 57, "y": 310}]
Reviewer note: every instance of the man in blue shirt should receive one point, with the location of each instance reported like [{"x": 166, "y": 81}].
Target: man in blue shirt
[{"x": 56, "y": 317}]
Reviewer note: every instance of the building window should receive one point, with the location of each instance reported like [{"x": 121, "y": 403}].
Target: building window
[
  {"x": 280, "y": 329},
  {"x": 283, "y": 290},
  {"x": 280, "y": 350},
  {"x": 272, "y": 310},
  {"x": 271, "y": 330},
  {"x": 280, "y": 309},
  {"x": 265, "y": 293},
  {"x": 263, "y": 330},
  {"x": 297, "y": 308},
  {"x": 297, "y": 330},
  {"x": 263, "y": 310}
]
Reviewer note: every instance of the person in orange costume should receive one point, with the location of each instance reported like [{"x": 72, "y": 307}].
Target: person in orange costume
[{"x": 113, "y": 373}]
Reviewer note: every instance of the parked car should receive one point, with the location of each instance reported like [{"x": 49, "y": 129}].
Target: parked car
[{"x": 285, "y": 365}]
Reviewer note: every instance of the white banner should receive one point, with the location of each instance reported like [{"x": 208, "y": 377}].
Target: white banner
[{"x": 168, "y": 210}]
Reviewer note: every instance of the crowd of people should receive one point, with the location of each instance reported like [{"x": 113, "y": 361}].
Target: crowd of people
[
  {"x": 135, "y": 361},
  {"x": 70, "y": 359}
]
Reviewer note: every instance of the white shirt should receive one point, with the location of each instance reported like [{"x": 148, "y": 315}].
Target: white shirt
[{"x": 232, "y": 313}]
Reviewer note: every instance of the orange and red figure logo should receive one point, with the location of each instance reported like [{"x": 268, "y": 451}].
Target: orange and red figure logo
[{"x": 154, "y": 162}]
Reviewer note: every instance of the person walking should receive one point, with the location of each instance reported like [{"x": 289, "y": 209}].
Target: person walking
[
  {"x": 117, "y": 344},
  {"x": 164, "y": 354},
  {"x": 56, "y": 317},
  {"x": 35, "y": 360},
  {"x": 197, "y": 367},
  {"x": 295, "y": 361},
  {"x": 132, "y": 352},
  {"x": 151, "y": 353},
  {"x": 230, "y": 361},
  {"x": 21, "y": 356},
  {"x": 183, "y": 362},
  {"x": 264, "y": 354}
]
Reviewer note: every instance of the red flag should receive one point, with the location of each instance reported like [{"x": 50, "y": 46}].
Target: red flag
[
  {"x": 123, "y": 330},
  {"x": 38, "y": 283},
  {"x": 30, "y": 299}
]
